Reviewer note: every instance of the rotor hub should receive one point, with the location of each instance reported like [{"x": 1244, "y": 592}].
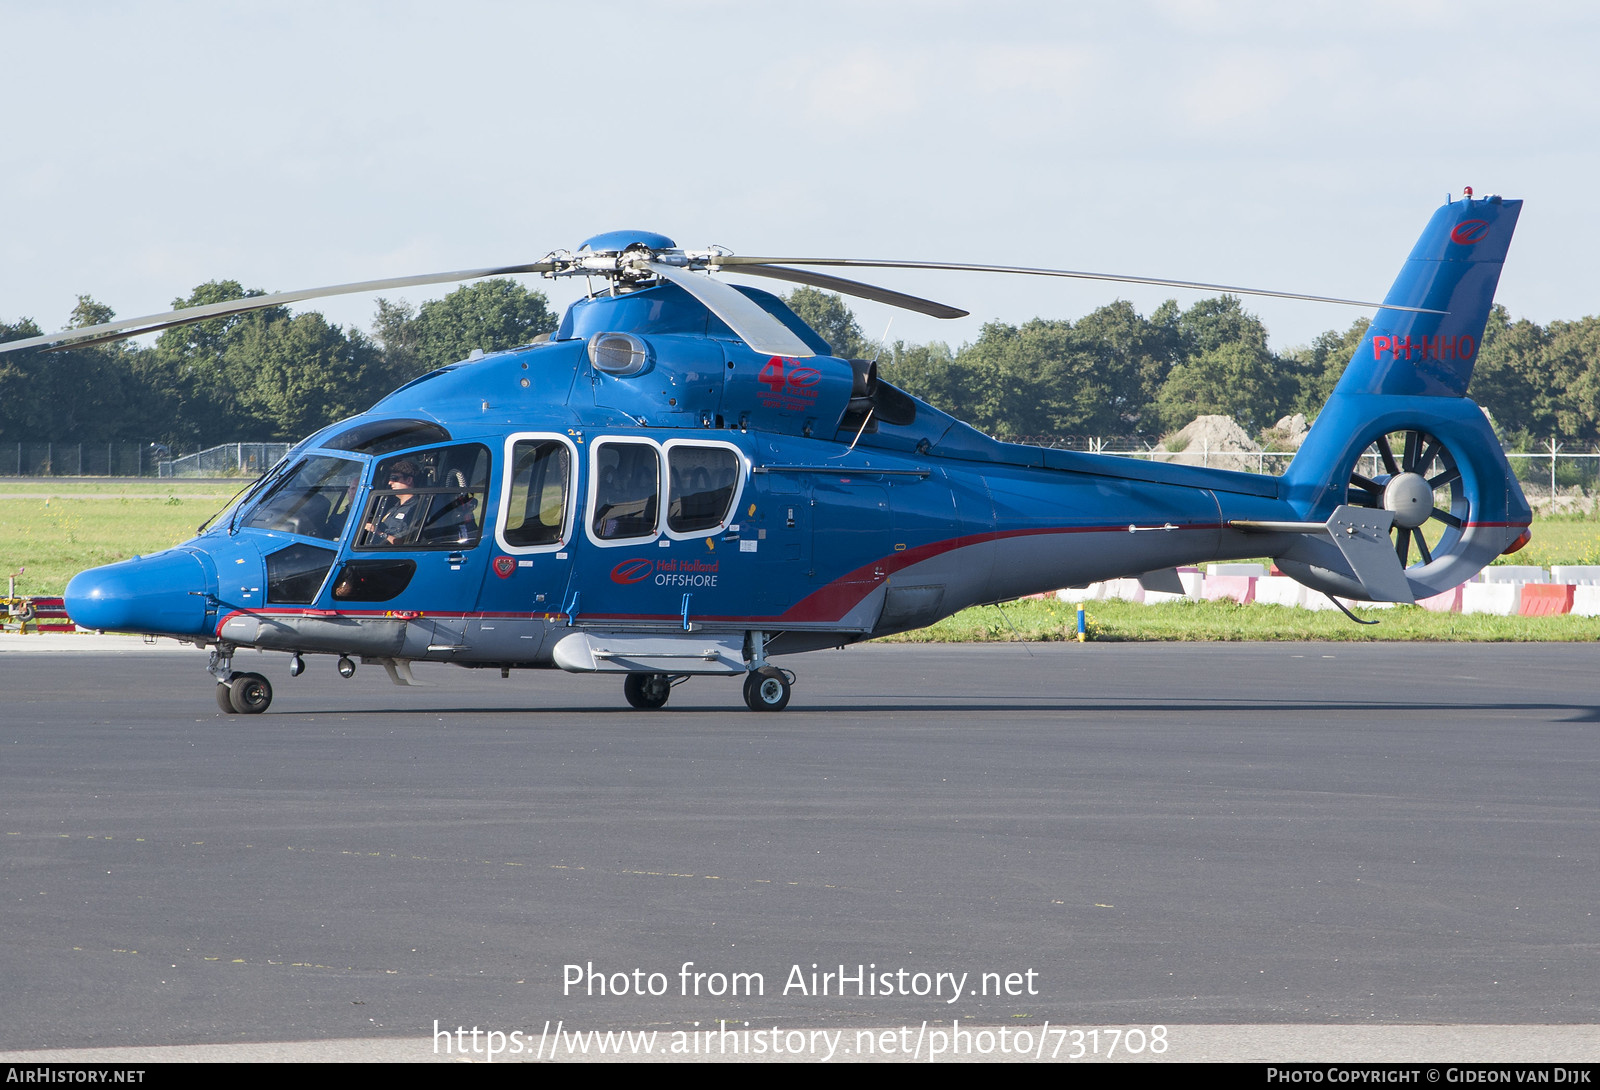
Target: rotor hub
[{"x": 1410, "y": 497}]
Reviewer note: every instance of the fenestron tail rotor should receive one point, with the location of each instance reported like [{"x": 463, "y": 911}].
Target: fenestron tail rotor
[{"x": 1416, "y": 477}]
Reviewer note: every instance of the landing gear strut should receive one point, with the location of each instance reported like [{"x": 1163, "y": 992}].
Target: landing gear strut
[{"x": 766, "y": 687}]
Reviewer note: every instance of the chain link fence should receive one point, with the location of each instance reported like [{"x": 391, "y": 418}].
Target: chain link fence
[
  {"x": 1555, "y": 469},
  {"x": 227, "y": 460},
  {"x": 77, "y": 460},
  {"x": 136, "y": 460}
]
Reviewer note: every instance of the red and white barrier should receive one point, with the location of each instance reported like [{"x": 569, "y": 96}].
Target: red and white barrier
[{"x": 1506, "y": 591}]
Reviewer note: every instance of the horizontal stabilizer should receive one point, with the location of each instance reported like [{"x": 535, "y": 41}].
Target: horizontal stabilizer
[{"x": 1362, "y": 535}]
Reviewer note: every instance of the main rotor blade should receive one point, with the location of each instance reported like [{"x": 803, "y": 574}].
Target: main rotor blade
[
  {"x": 948, "y": 266},
  {"x": 758, "y": 329},
  {"x": 150, "y": 323},
  {"x": 853, "y": 287}
]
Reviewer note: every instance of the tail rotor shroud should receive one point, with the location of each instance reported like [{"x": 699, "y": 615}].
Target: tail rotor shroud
[{"x": 1419, "y": 480}]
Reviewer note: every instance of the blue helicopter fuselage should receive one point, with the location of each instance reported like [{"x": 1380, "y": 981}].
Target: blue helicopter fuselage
[
  {"x": 644, "y": 492},
  {"x": 825, "y": 535}
]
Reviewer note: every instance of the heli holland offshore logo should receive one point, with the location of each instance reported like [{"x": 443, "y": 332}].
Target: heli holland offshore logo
[
  {"x": 632, "y": 571},
  {"x": 1468, "y": 232},
  {"x": 666, "y": 573}
]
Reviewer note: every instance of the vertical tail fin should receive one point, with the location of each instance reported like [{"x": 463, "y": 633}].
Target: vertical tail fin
[
  {"x": 1453, "y": 268},
  {"x": 1439, "y": 474}
]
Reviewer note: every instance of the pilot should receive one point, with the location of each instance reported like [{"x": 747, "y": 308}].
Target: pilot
[{"x": 398, "y": 518}]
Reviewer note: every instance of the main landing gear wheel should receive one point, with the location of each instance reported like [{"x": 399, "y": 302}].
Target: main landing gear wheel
[
  {"x": 1422, "y": 485},
  {"x": 250, "y": 694},
  {"x": 647, "y": 692},
  {"x": 767, "y": 689}
]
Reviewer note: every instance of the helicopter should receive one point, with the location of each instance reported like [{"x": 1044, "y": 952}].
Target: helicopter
[{"x": 682, "y": 480}]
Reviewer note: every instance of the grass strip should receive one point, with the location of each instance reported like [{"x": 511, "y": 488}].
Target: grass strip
[{"x": 1115, "y": 620}]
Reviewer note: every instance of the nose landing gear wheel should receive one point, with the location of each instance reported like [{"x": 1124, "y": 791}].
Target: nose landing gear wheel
[
  {"x": 647, "y": 692},
  {"x": 1422, "y": 486},
  {"x": 249, "y": 693},
  {"x": 225, "y": 699},
  {"x": 767, "y": 689}
]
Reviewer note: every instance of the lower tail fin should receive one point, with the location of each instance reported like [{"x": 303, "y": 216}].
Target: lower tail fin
[{"x": 1399, "y": 436}]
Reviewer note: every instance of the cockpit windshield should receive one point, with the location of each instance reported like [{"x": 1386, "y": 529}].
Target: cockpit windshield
[{"x": 313, "y": 499}]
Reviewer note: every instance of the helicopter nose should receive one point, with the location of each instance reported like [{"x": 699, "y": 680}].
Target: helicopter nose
[{"x": 162, "y": 593}]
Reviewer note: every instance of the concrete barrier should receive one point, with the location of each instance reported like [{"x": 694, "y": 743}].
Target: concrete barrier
[
  {"x": 1091, "y": 593},
  {"x": 1236, "y": 569},
  {"x": 1583, "y": 575},
  {"x": 1240, "y": 588},
  {"x": 1280, "y": 590},
  {"x": 1129, "y": 590},
  {"x": 1500, "y": 599},
  {"x": 1546, "y": 599},
  {"x": 1448, "y": 602},
  {"x": 1513, "y": 573},
  {"x": 1586, "y": 600}
]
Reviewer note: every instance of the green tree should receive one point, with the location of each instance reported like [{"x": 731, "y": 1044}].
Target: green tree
[
  {"x": 1212, "y": 323},
  {"x": 1134, "y": 355},
  {"x": 1316, "y": 368},
  {"x": 1241, "y": 380},
  {"x": 21, "y": 400},
  {"x": 1571, "y": 392},
  {"x": 191, "y": 373},
  {"x": 75, "y": 394},
  {"x": 394, "y": 328},
  {"x": 296, "y": 375},
  {"x": 88, "y": 312},
  {"x": 928, "y": 371},
  {"x": 259, "y": 375},
  {"x": 1509, "y": 379},
  {"x": 833, "y": 321},
  {"x": 491, "y": 315}
]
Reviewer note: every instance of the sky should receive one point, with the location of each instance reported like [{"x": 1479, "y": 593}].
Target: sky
[{"x": 148, "y": 147}]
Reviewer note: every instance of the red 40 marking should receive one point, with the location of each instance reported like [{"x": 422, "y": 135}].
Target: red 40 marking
[{"x": 780, "y": 373}]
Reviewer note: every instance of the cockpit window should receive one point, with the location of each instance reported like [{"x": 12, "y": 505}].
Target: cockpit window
[
  {"x": 312, "y": 499},
  {"x": 427, "y": 499}
]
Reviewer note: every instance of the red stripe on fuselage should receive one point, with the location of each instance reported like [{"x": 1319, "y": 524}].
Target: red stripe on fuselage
[
  {"x": 828, "y": 603},
  {"x": 839, "y": 597}
]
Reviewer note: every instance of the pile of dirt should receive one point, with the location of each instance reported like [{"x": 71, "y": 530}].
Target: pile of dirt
[
  {"x": 1215, "y": 441},
  {"x": 1570, "y": 502},
  {"x": 1288, "y": 433}
]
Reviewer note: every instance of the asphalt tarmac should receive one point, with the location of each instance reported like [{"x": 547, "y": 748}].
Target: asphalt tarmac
[{"x": 1105, "y": 835}]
